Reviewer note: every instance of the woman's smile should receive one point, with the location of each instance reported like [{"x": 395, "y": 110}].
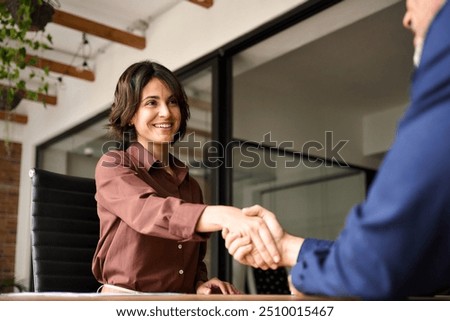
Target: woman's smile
[{"x": 164, "y": 125}]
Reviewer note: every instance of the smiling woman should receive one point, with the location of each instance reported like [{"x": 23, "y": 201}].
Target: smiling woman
[{"x": 153, "y": 223}]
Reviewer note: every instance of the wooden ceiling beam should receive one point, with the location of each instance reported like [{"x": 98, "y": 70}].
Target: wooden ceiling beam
[
  {"x": 61, "y": 68},
  {"x": 48, "y": 99},
  {"x": 203, "y": 3},
  {"x": 97, "y": 29},
  {"x": 11, "y": 116}
]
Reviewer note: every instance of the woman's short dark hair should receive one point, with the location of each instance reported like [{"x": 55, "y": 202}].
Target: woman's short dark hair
[{"x": 127, "y": 98}]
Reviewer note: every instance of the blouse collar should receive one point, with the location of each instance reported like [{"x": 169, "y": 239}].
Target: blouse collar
[{"x": 148, "y": 161}]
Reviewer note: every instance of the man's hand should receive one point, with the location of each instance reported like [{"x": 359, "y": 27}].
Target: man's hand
[
  {"x": 251, "y": 227},
  {"x": 243, "y": 249},
  {"x": 271, "y": 221}
]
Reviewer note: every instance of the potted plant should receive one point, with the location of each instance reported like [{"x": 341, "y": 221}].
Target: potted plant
[
  {"x": 41, "y": 12},
  {"x": 10, "y": 98},
  {"x": 10, "y": 285},
  {"x": 16, "y": 18}
]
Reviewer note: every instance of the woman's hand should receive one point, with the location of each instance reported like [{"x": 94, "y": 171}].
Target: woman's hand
[
  {"x": 251, "y": 226},
  {"x": 243, "y": 250},
  {"x": 216, "y": 286}
]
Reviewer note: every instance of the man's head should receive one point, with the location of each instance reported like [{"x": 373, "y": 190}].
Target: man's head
[{"x": 418, "y": 17}]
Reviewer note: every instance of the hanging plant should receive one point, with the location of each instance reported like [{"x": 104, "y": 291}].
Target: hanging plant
[
  {"x": 41, "y": 12},
  {"x": 6, "y": 102},
  {"x": 17, "y": 40}
]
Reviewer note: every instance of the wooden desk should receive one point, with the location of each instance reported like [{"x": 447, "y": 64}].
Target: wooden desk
[
  {"x": 99, "y": 306},
  {"x": 50, "y": 296}
]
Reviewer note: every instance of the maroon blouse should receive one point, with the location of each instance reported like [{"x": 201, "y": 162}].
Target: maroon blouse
[{"x": 147, "y": 224}]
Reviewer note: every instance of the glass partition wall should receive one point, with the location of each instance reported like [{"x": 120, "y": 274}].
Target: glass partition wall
[
  {"x": 77, "y": 151},
  {"x": 311, "y": 198}
]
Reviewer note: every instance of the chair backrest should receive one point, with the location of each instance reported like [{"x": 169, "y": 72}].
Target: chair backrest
[
  {"x": 268, "y": 281},
  {"x": 64, "y": 232}
]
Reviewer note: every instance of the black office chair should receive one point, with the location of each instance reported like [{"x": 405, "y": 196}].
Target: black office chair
[
  {"x": 268, "y": 281},
  {"x": 64, "y": 232}
]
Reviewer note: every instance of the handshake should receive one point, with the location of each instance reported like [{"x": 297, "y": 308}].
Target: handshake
[
  {"x": 253, "y": 236},
  {"x": 256, "y": 238}
]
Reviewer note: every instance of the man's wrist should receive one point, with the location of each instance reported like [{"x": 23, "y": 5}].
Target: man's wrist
[{"x": 290, "y": 247}]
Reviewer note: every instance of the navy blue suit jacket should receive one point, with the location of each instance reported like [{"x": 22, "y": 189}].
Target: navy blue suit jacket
[{"x": 397, "y": 242}]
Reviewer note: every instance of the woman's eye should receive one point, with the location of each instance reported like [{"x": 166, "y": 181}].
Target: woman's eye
[
  {"x": 151, "y": 103},
  {"x": 173, "y": 102}
]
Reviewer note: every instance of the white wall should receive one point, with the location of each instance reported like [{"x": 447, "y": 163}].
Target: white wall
[
  {"x": 174, "y": 39},
  {"x": 379, "y": 130}
]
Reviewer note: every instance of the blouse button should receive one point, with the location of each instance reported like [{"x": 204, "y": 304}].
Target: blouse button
[
  {"x": 180, "y": 246},
  {"x": 181, "y": 271}
]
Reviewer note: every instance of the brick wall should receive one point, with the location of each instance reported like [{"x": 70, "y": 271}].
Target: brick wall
[{"x": 9, "y": 198}]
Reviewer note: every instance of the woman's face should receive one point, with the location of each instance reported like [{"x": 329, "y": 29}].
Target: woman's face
[{"x": 158, "y": 116}]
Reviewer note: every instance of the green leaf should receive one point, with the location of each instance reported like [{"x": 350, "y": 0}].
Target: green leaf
[
  {"x": 32, "y": 61},
  {"x": 21, "y": 85},
  {"x": 22, "y": 51},
  {"x": 32, "y": 95}
]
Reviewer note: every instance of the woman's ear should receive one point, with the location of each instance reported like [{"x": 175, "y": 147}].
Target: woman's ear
[{"x": 132, "y": 121}]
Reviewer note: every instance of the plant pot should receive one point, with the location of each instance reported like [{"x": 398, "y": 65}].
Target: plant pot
[
  {"x": 4, "y": 104},
  {"x": 41, "y": 14}
]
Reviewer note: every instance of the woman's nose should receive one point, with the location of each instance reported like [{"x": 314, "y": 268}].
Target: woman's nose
[{"x": 164, "y": 110}]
